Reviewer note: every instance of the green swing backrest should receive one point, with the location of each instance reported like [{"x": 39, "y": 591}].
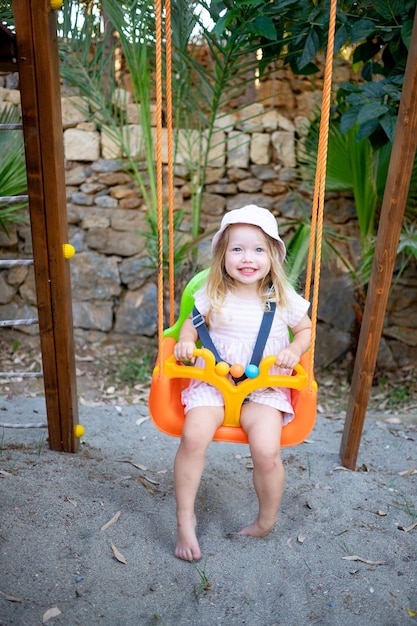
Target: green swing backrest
[{"x": 187, "y": 303}]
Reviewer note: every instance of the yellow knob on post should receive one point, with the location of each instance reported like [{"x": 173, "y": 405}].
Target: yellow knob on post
[
  {"x": 79, "y": 431},
  {"x": 55, "y": 4},
  {"x": 68, "y": 250}
]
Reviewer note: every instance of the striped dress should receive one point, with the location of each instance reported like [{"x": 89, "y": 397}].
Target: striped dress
[{"x": 234, "y": 332}]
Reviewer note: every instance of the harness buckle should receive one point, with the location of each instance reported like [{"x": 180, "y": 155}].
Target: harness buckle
[{"x": 198, "y": 320}]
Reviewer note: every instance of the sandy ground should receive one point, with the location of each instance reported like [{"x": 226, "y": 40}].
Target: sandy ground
[{"x": 344, "y": 551}]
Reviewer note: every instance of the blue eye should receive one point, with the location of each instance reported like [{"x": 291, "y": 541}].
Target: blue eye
[
  {"x": 237, "y": 249},
  {"x": 259, "y": 249}
]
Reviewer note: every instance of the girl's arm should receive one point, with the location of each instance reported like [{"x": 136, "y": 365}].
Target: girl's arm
[
  {"x": 290, "y": 356},
  {"x": 184, "y": 348}
]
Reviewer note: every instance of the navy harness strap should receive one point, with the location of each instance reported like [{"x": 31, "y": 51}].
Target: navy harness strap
[
  {"x": 200, "y": 326},
  {"x": 258, "y": 350}
]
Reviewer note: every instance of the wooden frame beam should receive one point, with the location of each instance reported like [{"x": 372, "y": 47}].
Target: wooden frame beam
[
  {"x": 38, "y": 65},
  {"x": 389, "y": 230}
]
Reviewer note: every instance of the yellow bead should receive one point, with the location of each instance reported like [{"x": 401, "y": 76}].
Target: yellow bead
[
  {"x": 68, "y": 250},
  {"x": 55, "y": 4},
  {"x": 222, "y": 368},
  {"x": 79, "y": 431}
]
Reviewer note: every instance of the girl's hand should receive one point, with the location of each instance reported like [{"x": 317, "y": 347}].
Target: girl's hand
[
  {"x": 184, "y": 351},
  {"x": 288, "y": 357},
  {"x": 291, "y": 355}
]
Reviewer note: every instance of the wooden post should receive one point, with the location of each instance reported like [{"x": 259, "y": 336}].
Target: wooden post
[
  {"x": 392, "y": 213},
  {"x": 38, "y": 65}
]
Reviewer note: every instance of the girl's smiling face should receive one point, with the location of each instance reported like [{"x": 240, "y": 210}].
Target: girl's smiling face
[{"x": 247, "y": 259}]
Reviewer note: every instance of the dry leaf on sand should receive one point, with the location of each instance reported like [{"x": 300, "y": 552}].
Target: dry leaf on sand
[
  {"x": 111, "y": 521},
  {"x": 408, "y": 472},
  {"x": 118, "y": 555},
  {"x": 50, "y": 613},
  {"x": 11, "y": 598},
  {"x": 359, "y": 558},
  {"x": 407, "y": 529}
]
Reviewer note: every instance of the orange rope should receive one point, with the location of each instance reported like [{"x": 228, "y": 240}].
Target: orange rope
[
  {"x": 159, "y": 168},
  {"x": 170, "y": 161},
  {"x": 316, "y": 232},
  {"x": 159, "y": 181}
]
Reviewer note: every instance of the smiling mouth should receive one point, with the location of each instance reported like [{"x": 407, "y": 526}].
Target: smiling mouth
[{"x": 247, "y": 270}]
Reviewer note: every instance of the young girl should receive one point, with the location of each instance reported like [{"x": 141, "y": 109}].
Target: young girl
[{"x": 246, "y": 272}]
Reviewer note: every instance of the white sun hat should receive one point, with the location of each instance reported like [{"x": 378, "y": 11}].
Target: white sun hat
[{"x": 256, "y": 216}]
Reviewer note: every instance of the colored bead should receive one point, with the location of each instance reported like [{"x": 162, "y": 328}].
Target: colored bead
[
  {"x": 251, "y": 370},
  {"x": 222, "y": 368},
  {"x": 237, "y": 370}
]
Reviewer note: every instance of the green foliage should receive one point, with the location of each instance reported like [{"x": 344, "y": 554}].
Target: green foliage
[
  {"x": 6, "y": 14},
  {"x": 372, "y": 107},
  {"x": 200, "y": 91},
  {"x": 12, "y": 169},
  {"x": 299, "y": 244},
  {"x": 297, "y": 250},
  {"x": 204, "y": 583},
  {"x": 355, "y": 166},
  {"x": 351, "y": 166},
  {"x": 381, "y": 39},
  {"x": 182, "y": 247},
  {"x": 203, "y": 91},
  {"x": 88, "y": 64},
  {"x": 407, "y": 246},
  {"x": 291, "y": 29},
  {"x": 365, "y": 112},
  {"x": 134, "y": 21},
  {"x": 136, "y": 369},
  {"x": 377, "y": 33}
]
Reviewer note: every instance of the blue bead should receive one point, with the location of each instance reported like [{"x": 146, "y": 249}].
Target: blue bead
[{"x": 251, "y": 370}]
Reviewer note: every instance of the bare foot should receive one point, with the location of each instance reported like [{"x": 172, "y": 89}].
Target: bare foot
[
  {"x": 187, "y": 547},
  {"x": 256, "y": 530}
]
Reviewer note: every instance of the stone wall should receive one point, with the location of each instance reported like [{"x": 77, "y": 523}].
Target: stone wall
[{"x": 254, "y": 161}]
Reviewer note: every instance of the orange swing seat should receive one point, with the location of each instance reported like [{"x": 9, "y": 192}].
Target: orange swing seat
[{"x": 165, "y": 406}]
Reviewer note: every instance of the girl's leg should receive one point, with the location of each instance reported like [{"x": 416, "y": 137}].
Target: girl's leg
[
  {"x": 263, "y": 426},
  {"x": 199, "y": 428}
]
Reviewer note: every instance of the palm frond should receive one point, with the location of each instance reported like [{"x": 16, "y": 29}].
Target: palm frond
[
  {"x": 12, "y": 169},
  {"x": 352, "y": 166}
]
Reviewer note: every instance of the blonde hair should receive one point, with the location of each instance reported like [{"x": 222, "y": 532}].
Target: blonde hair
[{"x": 272, "y": 288}]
